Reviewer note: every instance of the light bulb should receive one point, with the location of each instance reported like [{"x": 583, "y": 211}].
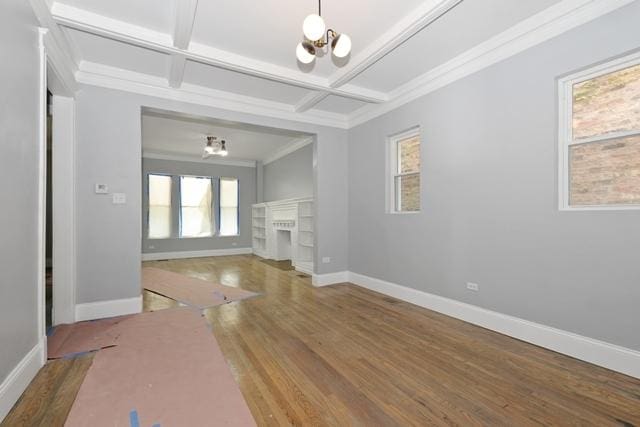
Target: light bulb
[
  {"x": 313, "y": 27},
  {"x": 208, "y": 149},
  {"x": 305, "y": 53},
  {"x": 341, "y": 45}
]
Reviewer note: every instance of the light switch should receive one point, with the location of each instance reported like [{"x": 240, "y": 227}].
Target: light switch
[
  {"x": 102, "y": 189},
  {"x": 119, "y": 198}
]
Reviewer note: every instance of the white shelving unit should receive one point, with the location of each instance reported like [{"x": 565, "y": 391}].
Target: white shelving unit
[
  {"x": 284, "y": 229},
  {"x": 259, "y": 229}
]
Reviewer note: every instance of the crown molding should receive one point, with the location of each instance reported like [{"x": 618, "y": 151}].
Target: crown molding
[
  {"x": 294, "y": 146},
  {"x": 537, "y": 29},
  {"x": 160, "y": 155},
  {"x": 93, "y": 74},
  {"x": 79, "y": 19}
]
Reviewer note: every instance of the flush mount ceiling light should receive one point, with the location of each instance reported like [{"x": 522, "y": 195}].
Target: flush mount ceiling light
[
  {"x": 313, "y": 28},
  {"x": 213, "y": 147}
]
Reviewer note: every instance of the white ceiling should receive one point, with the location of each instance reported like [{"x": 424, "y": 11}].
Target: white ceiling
[
  {"x": 247, "y": 48},
  {"x": 176, "y": 135}
]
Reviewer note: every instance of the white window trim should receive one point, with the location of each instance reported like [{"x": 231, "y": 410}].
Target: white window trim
[
  {"x": 391, "y": 171},
  {"x": 565, "y": 137}
]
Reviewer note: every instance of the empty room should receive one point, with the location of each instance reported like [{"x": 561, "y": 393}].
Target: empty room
[{"x": 312, "y": 212}]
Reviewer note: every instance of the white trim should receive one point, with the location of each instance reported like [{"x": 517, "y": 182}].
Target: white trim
[
  {"x": 176, "y": 71},
  {"x": 184, "y": 14},
  {"x": 63, "y": 187},
  {"x": 565, "y": 130},
  {"x": 41, "y": 260},
  {"x": 326, "y": 279},
  {"x": 104, "y": 309},
  {"x": 94, "y": 74},
  {"x": 103, "y": 26},
  {"x": 599, "y": 353},
  {"x": 19, "y": 378},
  {"x": 154, "y": 256},
  {"x": 549, "y": 23},
  {"x": 294, "y": 146},
  {"x": 196, "y": 159}
]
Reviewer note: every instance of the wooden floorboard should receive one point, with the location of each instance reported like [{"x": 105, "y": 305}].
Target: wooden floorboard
[{"x": 343, "y": 355}]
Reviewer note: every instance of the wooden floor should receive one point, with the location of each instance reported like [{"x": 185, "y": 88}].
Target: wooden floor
[{"x": 343, "y": 355}]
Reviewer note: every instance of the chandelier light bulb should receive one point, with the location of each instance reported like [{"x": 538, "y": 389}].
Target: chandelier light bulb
[
  {"x": 341, "y": 45},
  {"x": 305, "y": 53},
  {"x": 313, "y": 27}
]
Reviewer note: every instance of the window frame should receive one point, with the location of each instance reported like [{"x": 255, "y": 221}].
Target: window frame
[
  {"x": 565, "y": 129},
  {"x": 171, "y": 207},
  {"x": 214, "y": 226},
  {"x": 393, "y": 169}
]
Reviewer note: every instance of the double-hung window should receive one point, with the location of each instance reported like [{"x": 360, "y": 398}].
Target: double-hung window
[
  {"x": 159, "y": 213},
  {"x": 404, "y": 172},
  {"x": 228, "y": 206},
  {"x": 599, "y": 135},
  {"x": 196, "y": 219}
]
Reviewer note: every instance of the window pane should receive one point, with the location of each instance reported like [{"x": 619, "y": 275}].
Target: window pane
[
  {"x": 228, "y": 206},
  {"x": 408, "y": 193},
  {"x": 159, "y": 206},
  {"x": 606, "y": 104},
  {"x": 605, "y": 172},
  {"x": 409, "y": 155},
  {"x": 195, "y": 207}
]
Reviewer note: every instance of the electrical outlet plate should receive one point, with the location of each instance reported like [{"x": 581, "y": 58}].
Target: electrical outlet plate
[
  {"x": 102, "y": 188},
  {"x": 326, "y": 260},
  {"x": 119, "y": 198},
  {"x": 473, "y": 286}
]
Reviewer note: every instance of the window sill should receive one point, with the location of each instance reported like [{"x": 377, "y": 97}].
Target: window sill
[
  {"x": 404, "y": 213},
  {"x": 599, "y": 208}
]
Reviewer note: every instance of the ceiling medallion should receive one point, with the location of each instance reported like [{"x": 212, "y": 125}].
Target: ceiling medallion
[
  {"x": 313, "y": 28},
  {"x": 213, "y": 147}
]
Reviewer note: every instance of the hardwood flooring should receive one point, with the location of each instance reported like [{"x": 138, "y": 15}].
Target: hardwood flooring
[{"x": 343, "y": 355}]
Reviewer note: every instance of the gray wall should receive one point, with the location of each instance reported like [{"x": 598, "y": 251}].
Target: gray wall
[
  {"x": 489, "y": 190},
  {"x": 109, "y": 236},
  {"x": 247, "y": 189},
  {"x": 19, "y": 118},
  {"x": 290, "y": 176}
]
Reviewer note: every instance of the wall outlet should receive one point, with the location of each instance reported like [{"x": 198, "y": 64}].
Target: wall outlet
[
  {"x": 326, "y": 260},
  {"x": 119, "y": 198},
  {"x": 102, "y": 188},
  {"x": 473, "y": 286}
]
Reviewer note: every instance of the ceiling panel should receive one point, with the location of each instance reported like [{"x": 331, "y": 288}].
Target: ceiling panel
[
  {"x": 120, "y": 55},
  {"x": 339, "y": 104},
  {"x": 270, "y": 30},
  {"x": 153, "y": 14},
  {"x": 186, "y": 136},
  {"x": 243, "y": 84},
  {"x": 467, "y": 25}
]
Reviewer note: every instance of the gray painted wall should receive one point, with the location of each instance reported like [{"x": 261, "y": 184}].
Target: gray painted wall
[
  {"x": 109, "y": 236},
  {"x": 290, "y": 176},
  {"x": 247, "y": 189},
  {"x": 489, "y": 190},
  {"x": 19, "y": 118}
]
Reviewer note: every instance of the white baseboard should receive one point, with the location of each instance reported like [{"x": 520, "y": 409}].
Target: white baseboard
[
  {"x": 611, "y": 356},
  {"x": 104, "y": 309},
  {"x": 330, "y": 278},
  {"x": 19, "y": 378},
  {"x": 195, "y": 254}
]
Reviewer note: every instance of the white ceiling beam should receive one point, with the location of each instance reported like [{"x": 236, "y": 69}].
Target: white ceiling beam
[
  {"x": 184, "y": 12},
  {"x": 143, "y": 37},
  {"x": 421, "y": 17},
  {"x": 428, "y": 12},
  {"x": 176, "y": 71},
  {"x": 310, "y": 100},
  {"x": 184, "y": 17}
]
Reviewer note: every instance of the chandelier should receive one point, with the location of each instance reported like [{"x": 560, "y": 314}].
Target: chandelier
[
  {"x": 213, "y": 147},
  {"x": 313, "y": 28}
]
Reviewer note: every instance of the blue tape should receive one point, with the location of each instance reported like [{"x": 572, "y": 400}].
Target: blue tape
[{"x": 133, "y": 418}]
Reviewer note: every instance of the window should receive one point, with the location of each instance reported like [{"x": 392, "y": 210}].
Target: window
[
  {"x": 600, "y": 137},
  {"x": 159, "y": 214},
  {"x": 195, "y": 207},
  {"x": 228, "y": 206},
  {"x": 404, "y": 176}
]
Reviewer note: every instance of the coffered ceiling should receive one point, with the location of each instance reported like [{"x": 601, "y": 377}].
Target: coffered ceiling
[{"x": 242, "y": 52}]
